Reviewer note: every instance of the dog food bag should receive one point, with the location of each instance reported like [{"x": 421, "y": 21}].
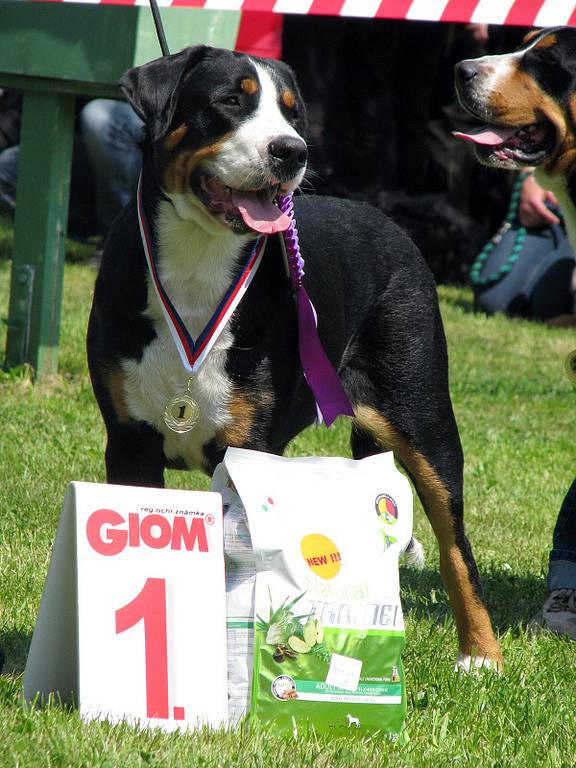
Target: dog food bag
[{"x": 328, "y": 631}]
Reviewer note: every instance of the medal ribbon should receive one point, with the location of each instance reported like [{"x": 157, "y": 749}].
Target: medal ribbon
[
  {"x": 331, "y": 399},
  {"x": 193, "y": 353}
]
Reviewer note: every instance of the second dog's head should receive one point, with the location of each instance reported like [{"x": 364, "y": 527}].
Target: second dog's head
[
  {"x": 527, "y": 99},
  {"x": 227, "y": 135}
]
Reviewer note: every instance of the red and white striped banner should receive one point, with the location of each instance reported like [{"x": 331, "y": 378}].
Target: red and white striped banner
[{"x": 538, "y": 13}]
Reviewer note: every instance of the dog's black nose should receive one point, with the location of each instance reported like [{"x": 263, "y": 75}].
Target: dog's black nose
[
  {"x": 288, "y": 152},
  {"x": 466, "y": 70}
]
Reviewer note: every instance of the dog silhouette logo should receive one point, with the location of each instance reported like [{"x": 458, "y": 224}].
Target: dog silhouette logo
[{"x": 353, "y": 721}]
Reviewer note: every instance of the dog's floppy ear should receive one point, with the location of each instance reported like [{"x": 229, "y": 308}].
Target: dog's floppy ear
[{"x": 152, "y": 88}]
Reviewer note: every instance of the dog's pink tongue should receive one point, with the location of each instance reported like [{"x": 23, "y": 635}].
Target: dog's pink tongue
[
  {"x": 488, "y": 135},
  {"x": 260, "y": 213}
]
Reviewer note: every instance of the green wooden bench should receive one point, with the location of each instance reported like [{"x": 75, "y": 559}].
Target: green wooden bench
[{"x": 53, "y": 52}]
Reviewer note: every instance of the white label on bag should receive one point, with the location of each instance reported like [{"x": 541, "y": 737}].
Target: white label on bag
[{"x": 344, "y": 672}]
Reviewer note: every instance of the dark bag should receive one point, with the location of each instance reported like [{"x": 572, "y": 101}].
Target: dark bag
[{"x": 526, "y": 273}]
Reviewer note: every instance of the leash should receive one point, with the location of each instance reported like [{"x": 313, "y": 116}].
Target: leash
[
  {"x": 516, "y": 249},
  {"x": 159, "y": 28}
]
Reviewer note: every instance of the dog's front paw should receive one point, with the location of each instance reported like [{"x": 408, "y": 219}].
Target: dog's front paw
[{"x": 467, "y": 663}]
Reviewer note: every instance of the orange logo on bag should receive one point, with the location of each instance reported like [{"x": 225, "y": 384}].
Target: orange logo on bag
[{"x": 321, "y": 555}]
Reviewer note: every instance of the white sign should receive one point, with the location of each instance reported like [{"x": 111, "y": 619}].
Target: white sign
[{"x": 132, "y": 624}]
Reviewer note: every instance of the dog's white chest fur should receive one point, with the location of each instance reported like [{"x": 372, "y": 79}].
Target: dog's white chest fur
[{"x": 195, "y": 270}]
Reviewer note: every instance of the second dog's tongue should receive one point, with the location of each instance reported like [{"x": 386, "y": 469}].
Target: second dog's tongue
[
  {"x": 488, "y": 135},
  {"x": 259, "y": 212}
]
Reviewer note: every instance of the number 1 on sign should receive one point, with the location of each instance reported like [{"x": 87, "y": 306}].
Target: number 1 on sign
[{"x": 150, "y": 605}]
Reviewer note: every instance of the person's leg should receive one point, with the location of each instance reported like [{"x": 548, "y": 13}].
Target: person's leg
[
  {"x": 9, "y": 177},
  {"x": 560, "y": 608},
  {"x": 112, "y": 131}
]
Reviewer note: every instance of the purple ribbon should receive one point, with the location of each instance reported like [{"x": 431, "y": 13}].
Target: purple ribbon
[{"x": 331, "y": 399}]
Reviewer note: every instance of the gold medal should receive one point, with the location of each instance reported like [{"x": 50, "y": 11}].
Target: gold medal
[{"x": 182, "y": 413}]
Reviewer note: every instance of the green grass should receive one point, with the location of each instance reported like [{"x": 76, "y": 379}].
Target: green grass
[{"x": 516, "y": 411}]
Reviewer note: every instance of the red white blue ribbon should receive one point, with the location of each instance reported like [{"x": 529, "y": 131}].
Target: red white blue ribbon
[
  {"x": 331, "y": 399},
  {"x": 194, "y": 352}
]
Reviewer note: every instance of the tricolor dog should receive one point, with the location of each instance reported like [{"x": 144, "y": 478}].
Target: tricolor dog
[
  {"x": 526, "y": 101},
  {"x": 225, "y": 139}
]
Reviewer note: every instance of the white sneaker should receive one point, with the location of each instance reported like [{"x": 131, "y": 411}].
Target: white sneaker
[{"x": 559, "y": 612}]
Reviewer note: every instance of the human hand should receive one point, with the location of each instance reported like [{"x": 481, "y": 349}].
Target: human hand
[{"x": 532, "y": 210}]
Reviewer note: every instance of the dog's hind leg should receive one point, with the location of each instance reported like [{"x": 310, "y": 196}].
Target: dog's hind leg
[
  {"x": 402, "y": 404},
  {"x": 437, "y": 477}
]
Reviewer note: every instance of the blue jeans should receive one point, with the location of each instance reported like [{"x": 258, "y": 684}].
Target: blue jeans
[
  {"x": 112, "y": 132},
  {"x": 562, "y": 564}
]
